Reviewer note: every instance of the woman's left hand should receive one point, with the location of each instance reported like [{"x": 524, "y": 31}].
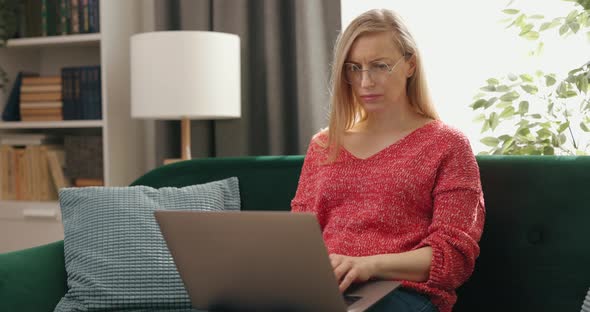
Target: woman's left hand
[{"x": 351, "y": 269}]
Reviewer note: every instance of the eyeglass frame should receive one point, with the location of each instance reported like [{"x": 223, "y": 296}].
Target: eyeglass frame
[{"x": 361, "y": 70}]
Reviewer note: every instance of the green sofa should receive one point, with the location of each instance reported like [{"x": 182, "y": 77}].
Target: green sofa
[{"x": 535, "y": 250}]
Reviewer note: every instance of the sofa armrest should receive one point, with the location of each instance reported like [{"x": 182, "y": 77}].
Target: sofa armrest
[{"x": 32, "y": 279}]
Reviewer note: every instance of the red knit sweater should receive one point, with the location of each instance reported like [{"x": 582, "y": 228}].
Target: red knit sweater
[{"x": 423, "y": 190}]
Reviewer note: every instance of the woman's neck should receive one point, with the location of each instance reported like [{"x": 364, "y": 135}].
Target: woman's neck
[{"x": 395, "y": 119}]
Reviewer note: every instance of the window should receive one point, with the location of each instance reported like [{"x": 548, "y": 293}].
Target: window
[{"x": 463, "y": 44}]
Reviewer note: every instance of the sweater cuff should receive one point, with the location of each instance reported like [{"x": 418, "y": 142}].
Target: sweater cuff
[
  {"x": 437, "y": 271},
  {"x": 437, "y": 276}
]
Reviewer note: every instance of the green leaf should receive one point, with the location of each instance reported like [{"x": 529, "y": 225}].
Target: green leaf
[
  {"x": 523, "y": 107},
  {"x": 549, "y": 25},
  {"x": 525, "y": 29},
  {"x": 555, "y": 140},
  {"x": 570, "y": 93},
  {"x": 549, "y": 80},
  {"x": 508, "y": 112},
  {"x": 510, "y": 96},
  {"x": 524, "y": 131},
  {"x": 545, "y": 26},
  {"x": 478, "y": 104},
  {"x": 488, "y": 88},
  {"x": 574, "y": 71},
  {"x": 507, "y": 144},
  {"x": 540, "y": 48},
  {"x": 588, "y": 36},
  {"x": 490, "y": 141},
  {"x": 548, "y": 150},
  {"x": 584, "y": 127},
  {"x": 504, "y": 137},
  {"x": 526, "y": 78},
  {"x": 479, "y": 118},
  {"x": 562, "y": 89},
  {"x": 486, "y": 126},
  {"x": 523, "y": 123},
  {"x": 574, "y": 26},
  {"x": 572, "y": 16},
  {"x": 530, "y": 89},
  {"x": 519, "y": 21},
  {"x": 493, "y": 81},
  {"x": 479, "y": 95},
  {"x": 494, "y": 121},
  {"x": 512, "y": 77},
  {"x": 536, "y": 116},
  {"x": 510, "y": 11},
  {"x": 502, "y": 88},
  {"x": 562, "y": 139},
  {"x": 563, "y": 29},
  {"x": 531, "y": 35},
  {"x": 537, "y": 16},
  {"x": 582, "y": 84},
  {"x": 491, "y": 102},
  {"x": 503, "y": 105},
  {"x": 563, "y": 127},
  {"x": 544, "y": 133}
]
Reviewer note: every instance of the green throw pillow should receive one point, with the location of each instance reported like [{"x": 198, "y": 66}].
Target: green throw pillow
[{"x": 115, "y": 256}]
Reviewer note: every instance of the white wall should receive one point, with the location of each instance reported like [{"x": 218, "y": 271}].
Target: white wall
[{"x": 463, "y": 44}]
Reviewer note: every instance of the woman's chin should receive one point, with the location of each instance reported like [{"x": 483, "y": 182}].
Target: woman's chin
[{"x": 374, "y": 107}]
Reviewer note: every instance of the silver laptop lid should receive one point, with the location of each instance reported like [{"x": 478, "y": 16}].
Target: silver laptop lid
[{"x": 258, "y": 261}]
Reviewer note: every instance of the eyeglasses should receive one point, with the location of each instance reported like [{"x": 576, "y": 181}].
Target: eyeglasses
[{"x": 378, "y": 71}]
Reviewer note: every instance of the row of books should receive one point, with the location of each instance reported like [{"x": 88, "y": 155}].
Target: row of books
[
  {"x": 75, "y": 95},
  {"x": 39, "y": 18},
  {"x": 33, "y": 172},
  {"x": 41, "y": 99},
  {"x": 33, "y": 167}
]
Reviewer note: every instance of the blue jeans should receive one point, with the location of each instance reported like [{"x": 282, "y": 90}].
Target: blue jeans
[{"x": 404, "y": 300}]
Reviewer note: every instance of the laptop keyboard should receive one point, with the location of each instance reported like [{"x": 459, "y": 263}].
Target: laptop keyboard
[{"x": 350, "y": 299}]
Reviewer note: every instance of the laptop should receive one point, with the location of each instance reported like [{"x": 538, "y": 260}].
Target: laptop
[{"x": 259, "y": 261}]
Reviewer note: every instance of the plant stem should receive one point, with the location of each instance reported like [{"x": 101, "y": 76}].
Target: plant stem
[{"x": 572, "y": 135}]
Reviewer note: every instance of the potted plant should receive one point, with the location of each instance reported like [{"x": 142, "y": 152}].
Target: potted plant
[{"x": 539, "y": 113}]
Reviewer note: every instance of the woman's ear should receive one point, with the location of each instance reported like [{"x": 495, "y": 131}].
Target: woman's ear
[{"x": 411, "y": 66}]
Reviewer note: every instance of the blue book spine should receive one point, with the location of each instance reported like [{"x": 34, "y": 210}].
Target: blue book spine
[
  {"x": 97, "y": 92},
  {"x": 12, "y": 108},
  {"x": 85, "y": 110}
]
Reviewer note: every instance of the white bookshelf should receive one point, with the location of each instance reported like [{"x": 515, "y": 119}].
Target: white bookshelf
[
  {"x": 64, "y": 41},
  {"x": 123, "y": 137},
  {"x": 65, "y": 124}
]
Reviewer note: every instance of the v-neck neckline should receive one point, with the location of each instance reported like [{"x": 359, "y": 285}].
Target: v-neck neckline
[{"x": 396, "y": 143}]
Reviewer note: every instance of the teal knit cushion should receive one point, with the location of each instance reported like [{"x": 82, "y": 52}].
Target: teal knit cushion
[{"x": 115, "y": 256}]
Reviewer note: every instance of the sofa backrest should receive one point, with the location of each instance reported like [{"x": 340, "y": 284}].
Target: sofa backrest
[
  {"x": 266, "y": 183},
  {"x": 535, "y": 250}
]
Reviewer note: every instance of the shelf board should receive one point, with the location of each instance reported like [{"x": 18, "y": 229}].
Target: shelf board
[
  {"x": 50, "y": 41},
  {"x": 19, "y": 209},
  {"x": 51, "y": 124}
]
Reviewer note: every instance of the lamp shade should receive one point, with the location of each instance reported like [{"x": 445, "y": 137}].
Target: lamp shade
[{"x": 185, "y": 74}]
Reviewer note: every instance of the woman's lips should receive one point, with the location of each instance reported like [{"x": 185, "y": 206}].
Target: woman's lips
[{"x": 370, "y": 97}]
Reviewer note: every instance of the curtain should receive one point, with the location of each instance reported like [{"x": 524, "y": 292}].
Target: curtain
[{"x": 286, "y": 50}]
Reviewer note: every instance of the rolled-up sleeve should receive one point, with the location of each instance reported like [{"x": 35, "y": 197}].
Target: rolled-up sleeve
[{"x": 457, "y": 220}]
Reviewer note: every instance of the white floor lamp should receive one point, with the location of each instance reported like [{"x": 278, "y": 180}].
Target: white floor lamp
[{"x": 185, "y": 75}]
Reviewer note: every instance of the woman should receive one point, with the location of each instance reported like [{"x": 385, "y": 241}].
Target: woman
[{"x": 396, "y": 191}]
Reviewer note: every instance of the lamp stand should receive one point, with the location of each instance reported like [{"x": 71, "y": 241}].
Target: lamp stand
[
  {"x": 185, "y": 142},
  {"x": 185, "y": 136}
]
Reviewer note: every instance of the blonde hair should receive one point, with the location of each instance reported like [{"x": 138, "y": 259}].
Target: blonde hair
[{"x": 345, "y": 111}]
